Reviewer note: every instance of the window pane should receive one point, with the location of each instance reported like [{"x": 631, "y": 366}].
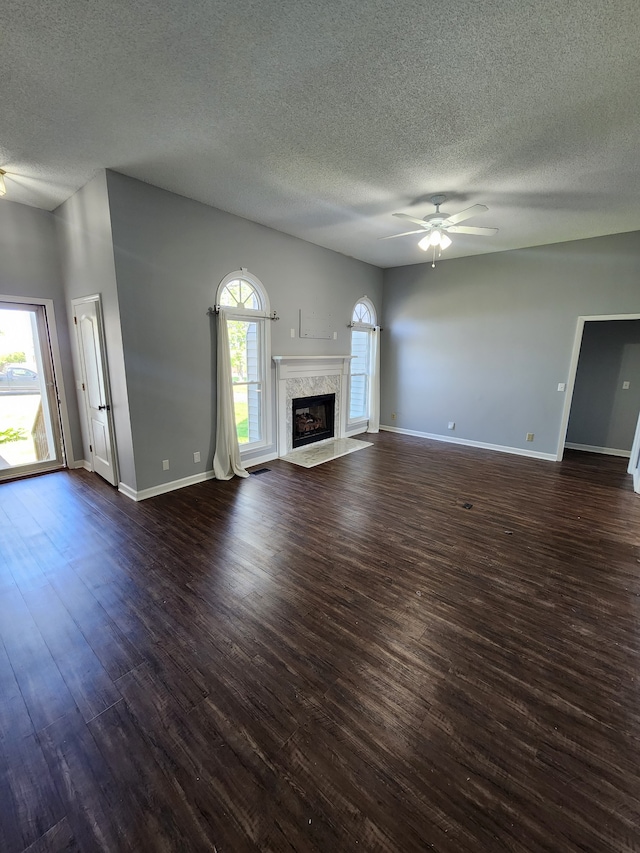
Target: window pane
[
  {"x": 358, "y": 397},
  {"x": 240, "y": 294},
  {"x": 244, "y": 345},
  {"x": 247, "y": 402},
  {"x": 254, "y": 403},
  {"x": 362, "y": 313},
  {"x": 241, "y": 407},
  {"x": 359, "y": 349}
]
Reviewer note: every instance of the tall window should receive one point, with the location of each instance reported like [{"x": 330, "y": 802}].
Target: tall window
[
  {"x": 246, "y": 304},
  {"x": 363, "y": 321}
]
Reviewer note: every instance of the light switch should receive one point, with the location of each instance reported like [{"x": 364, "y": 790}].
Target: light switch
[{"x": 626, "y": 385}]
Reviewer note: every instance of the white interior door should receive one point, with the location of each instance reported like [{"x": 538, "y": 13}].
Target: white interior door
[{"x": 88, "y": 321}]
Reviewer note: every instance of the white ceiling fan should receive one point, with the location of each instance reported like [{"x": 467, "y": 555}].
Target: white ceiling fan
[{"x": 439, "y": 225}]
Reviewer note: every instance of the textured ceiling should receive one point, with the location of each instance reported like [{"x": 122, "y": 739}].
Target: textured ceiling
[{"x": 323, "y": 119}]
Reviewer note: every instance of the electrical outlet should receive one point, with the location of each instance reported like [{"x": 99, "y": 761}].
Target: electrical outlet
[
  {"x": 529, "y": 436},
  {"x": 452, "y": 425},
  {"x": 626, "y": 385},
  {"x": 165, "y": 464},
  {"x": 393, "y": 416},
  {"x": 196, "y": 456},
  {"x": 562, "y": 386}
]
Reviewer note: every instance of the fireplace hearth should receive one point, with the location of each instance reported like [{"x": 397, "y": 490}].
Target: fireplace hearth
[{"x": 313, "y": 419}]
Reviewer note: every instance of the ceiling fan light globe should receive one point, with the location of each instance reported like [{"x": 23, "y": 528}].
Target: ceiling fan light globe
[
  {"x": 445, "y": 241},
  {"x": 436, "y": 237},
  {"x": 425, "y": 243}
]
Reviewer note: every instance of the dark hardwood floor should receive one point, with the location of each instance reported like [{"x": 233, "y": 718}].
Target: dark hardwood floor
[{"x": 336, "y": 659}]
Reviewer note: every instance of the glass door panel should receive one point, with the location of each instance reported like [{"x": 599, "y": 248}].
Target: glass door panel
[{"x": 29, "y": 416}]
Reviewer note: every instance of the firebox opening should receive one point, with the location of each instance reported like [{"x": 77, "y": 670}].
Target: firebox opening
[{"x": 313, "y": 419}]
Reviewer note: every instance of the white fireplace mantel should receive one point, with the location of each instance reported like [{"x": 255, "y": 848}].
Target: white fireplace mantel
[{"x": 306, "y": 375}]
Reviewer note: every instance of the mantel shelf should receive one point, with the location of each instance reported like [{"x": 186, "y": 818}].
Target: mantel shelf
[{"x": 285, "y": 358}]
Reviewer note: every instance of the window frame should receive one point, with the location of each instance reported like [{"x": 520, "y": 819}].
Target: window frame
[
  {"x": 357, "y": 325},
  {"x": 261, "y": 316}
]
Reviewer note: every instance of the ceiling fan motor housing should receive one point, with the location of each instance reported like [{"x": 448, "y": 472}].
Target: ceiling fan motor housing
[{"x": 436, "y": 219}]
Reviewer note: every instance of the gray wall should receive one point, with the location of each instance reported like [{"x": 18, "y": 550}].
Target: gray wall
[
  {"x": 603, "y": 415},
  {"x": 170, "y": 255},
  {"x": 484, "y": 341},
  {"x": 30, "y": 267},
  {"x": 86, "y": 248}
]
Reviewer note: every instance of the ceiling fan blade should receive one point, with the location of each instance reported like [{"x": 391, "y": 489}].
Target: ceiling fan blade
[
  {"x": 413, "y": 219},
  {"x": 465, "y": 214},
  {"x": 404, "y": 234},
  {"x": 470, "y": 229}
]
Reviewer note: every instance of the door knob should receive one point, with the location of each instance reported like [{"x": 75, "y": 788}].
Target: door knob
[{"x": 103, "y": 408}]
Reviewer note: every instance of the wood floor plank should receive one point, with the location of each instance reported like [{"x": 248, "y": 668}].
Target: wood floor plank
[
  {"x": 339, "y": 658},
  {"x": 59, "y": 839},
  {"x": 43, "y": 688},
  {"x": 97, "y": 815},
  {"x": 30, "y": 805},
  {"x": 88, "y": 682},
  {"x": 115, "y": 652},
  {"x": 160, "y": 810},
  {"x": 15, "y": 721}
]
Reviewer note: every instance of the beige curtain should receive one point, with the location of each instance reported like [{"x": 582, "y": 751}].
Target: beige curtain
[
  {"x": 226, "y": 460},
  {"x": 374, "y": 382}
]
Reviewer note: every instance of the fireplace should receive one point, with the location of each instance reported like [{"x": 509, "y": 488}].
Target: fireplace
[
  {"x": 312, "y": 419},
  {"x": 306, "y": 375}
]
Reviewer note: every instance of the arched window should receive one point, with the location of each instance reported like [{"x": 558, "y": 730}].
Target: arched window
[
  {"x": 364, "y": 313},
  {"x": 246, "y": 305},
  {"x": 242, "y": 294},
  {"x": 363, "y": 321}
]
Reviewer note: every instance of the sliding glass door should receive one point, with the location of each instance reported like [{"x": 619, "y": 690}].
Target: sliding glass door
[{"x": 30, "y": 436}]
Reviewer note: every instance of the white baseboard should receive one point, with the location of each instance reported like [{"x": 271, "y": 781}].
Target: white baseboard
[
  {"x": 163, "y": 488},
  {"x": 128, "y": 492},
  {"x": 501, "y": 448},
  {"x": 361, "y": 430},
  {"x": 79, "y": 463},
  {"x": 591, "y": 448},
  {"x": 259, "y": 460}
]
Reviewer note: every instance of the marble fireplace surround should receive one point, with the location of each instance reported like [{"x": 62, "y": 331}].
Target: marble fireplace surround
[{"x": 306, "y": 376}]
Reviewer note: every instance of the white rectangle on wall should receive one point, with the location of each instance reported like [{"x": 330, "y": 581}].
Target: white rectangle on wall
[{"x": 316, "y": 325}]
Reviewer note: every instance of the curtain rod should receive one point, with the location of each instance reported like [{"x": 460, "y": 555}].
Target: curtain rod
[
  {"x": 363, "y": 326},
  {"x": 272, "y": 316}
]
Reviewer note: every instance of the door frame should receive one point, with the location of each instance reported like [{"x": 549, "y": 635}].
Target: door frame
[
  {"x": 68, "y": 460},
  {"x": 634, "y": 459},
  {"x": 573, "y": 370},
  {"x": 83, "y": 300}
]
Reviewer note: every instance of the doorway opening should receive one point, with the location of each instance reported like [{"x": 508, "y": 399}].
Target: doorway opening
[
  {"x": 30, "y": 417},
  {"x": 590, "y": 369}
]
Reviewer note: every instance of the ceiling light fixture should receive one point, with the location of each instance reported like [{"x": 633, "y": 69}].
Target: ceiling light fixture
[
  {"x": 3, "y": 186},
  {"x": 436, "y": 239}
]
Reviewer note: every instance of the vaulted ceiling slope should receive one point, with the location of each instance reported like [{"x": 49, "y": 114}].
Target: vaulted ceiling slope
[{"x": 323, "y": 119}]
